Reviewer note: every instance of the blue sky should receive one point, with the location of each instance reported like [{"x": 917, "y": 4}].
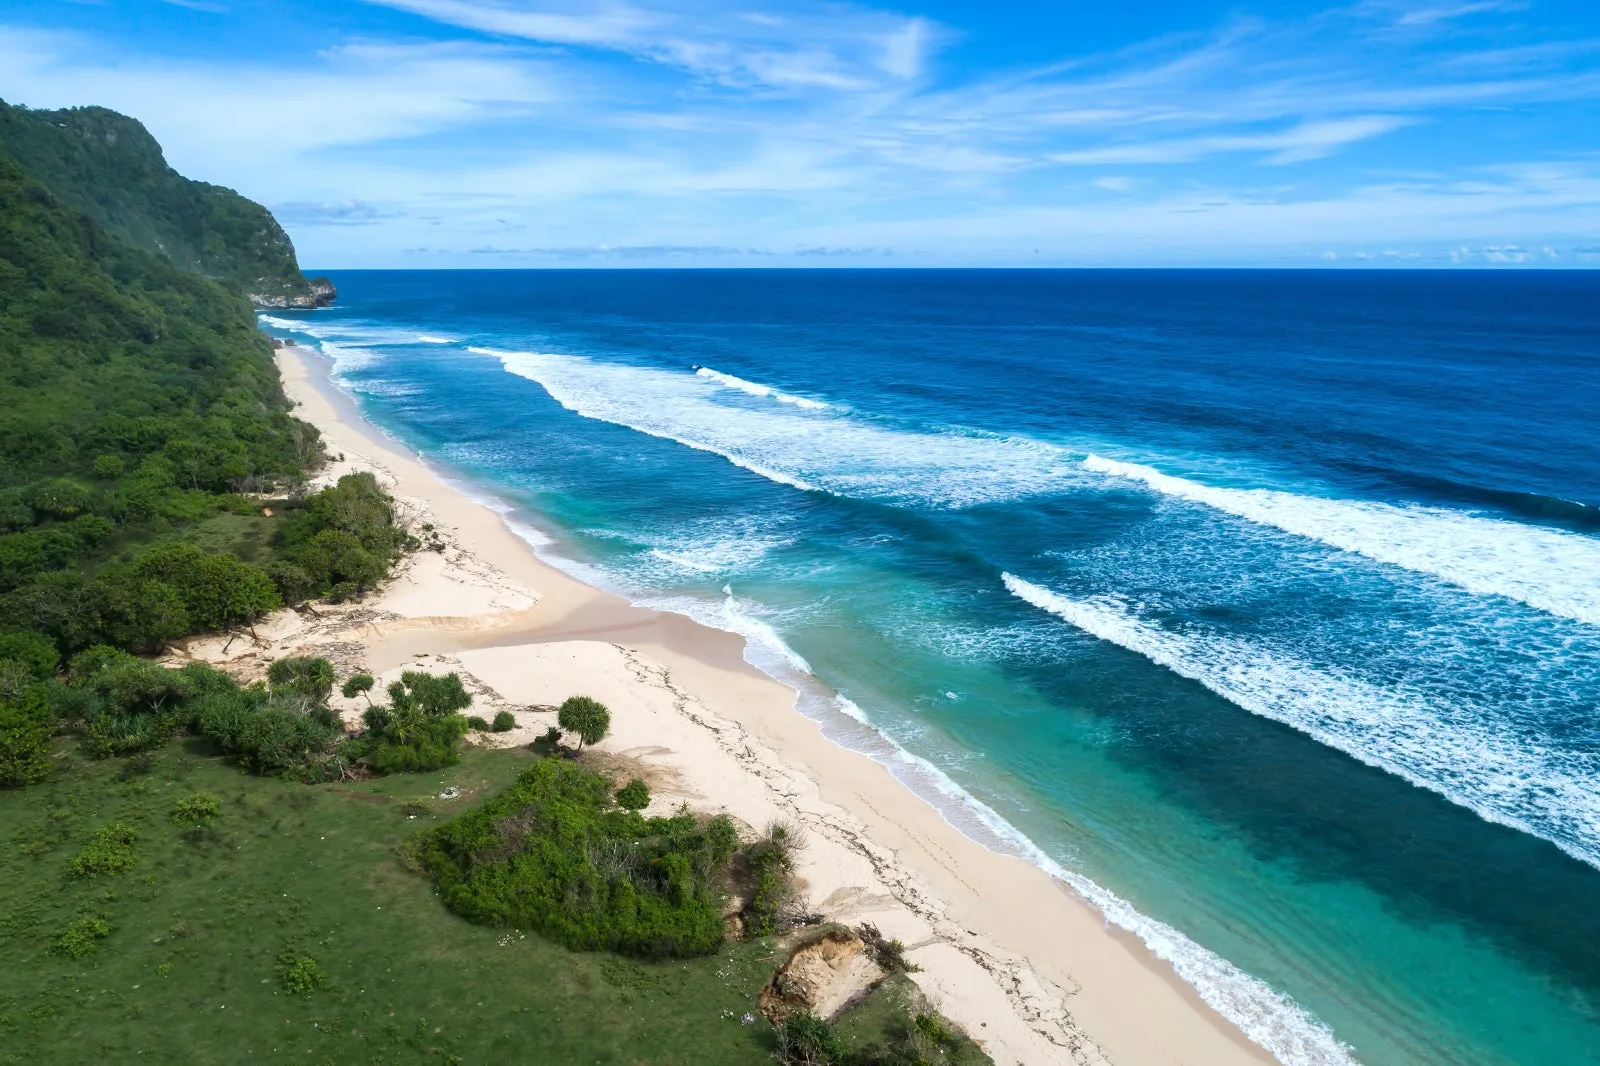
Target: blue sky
[{"x": 492, "y": 133}]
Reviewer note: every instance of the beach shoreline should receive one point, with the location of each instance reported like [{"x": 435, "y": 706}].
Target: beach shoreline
[{"x": 1015, "y": 956}]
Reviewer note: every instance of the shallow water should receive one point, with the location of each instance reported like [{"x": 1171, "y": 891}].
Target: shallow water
[{"x": 1266, "y": 602}]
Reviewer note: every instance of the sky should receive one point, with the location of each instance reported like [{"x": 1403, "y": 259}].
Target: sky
[{"x": 517, "y": 133}]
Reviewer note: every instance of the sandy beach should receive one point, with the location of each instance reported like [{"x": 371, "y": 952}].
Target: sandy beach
[{"x": 1016, "y": 957}]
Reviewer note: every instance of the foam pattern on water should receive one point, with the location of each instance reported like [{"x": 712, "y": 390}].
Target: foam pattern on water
[
  {"x": 1550, "y": 569},
  {"x": 806, "y": 448},
  {"x": 755, "y": 388},
  {"x": 1450, "y": 749}
]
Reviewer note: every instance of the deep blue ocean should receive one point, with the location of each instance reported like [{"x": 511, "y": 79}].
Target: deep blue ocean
[{"x": 1263, "y": 606}]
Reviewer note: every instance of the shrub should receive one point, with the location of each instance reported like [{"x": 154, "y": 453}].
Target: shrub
[
  {"x": 552, "y": 853},
  {"x": 634, "y": 796},
  {"x": 807, "y": 1040},
  {"x": 261, "y": 736},
  {"x": 306, "y": 678},
  {"x": 32, "y": 651},
  {"x": 196, "y": 808},
  {"x": 769, "y": 864},
  {"x": 109, "y": 851},
  {"x": 478, "y": 723},
  {"x": 420, "y": 746},
  {"x": 420, "y": 730},
  {"x": 344, "y": 537},
  {"x": 27, "y": 730},
  {"x": 589, "y": 718},
  {"x": 889, "y": 954},
  {"x": 299, "y": 973},
  {"x": 504, "y": 722},
  {"x": 81, "y": 938},
  {"x": 358, "y": 685}
]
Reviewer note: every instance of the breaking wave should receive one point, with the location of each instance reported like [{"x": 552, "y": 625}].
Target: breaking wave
[
  {"x": 1549, "y": 569},
  {"x": 1449, "y": 749}
]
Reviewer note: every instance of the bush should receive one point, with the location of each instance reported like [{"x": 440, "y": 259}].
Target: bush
[
  {"x": 109, "y": 851},
  {"x": 34, "y": 652},
  {"x": 27, "y": 730},
  {"x": 420, "y": 730},
  {"x": 424, "y": 746},
  {"x": 344, "y": 537},
  {"x": 769, "y": 866},
  {"x": 307, "y": 678},
  {"x": 358, "y": 685},
  {"x": 262, "y": 736},
  {"x": 299, "y": 974},
  {"x": 890, "y": 954},
  {"x": 504, "y": 722},
  {"x": 589, "y": 718},
  {"x": 552, "y": 853},
  {"x": 478, "y": 723},
  {"x": 196, "y": 808},
  {"x": 81, "y": 938},
  {"x": 807, "y": 1040},
  {"x": 634, "y": 796}
]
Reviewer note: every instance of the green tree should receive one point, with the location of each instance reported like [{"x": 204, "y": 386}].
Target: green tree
[
  {"x": 27, "y": 731},
  {"x": 634, "y": 796},
  {"x": 588, "y": 718},
  {"x": 358, "y": 685},
  {"x": 307, "y": 678}
]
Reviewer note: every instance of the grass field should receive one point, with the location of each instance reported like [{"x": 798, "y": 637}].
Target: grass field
[{"x": 191, "y": 969}]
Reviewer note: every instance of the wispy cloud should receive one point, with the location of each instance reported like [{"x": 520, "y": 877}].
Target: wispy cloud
[
  {"x": 817, "y": 47},
  {"x": 570, "y": 130}
]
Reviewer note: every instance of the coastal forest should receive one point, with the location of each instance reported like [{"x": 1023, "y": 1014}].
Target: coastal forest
[{"x": 197, "y": 867}]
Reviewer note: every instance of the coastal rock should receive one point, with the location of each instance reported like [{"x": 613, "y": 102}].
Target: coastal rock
[
  {"x": 320, "y": 294},
  {"x": 823, "y": 975}
]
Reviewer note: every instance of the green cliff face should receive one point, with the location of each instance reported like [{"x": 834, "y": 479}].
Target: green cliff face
[{"x": 108, "y": 166}]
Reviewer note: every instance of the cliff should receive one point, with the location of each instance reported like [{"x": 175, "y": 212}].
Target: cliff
[{"x": 109, "y": 167}]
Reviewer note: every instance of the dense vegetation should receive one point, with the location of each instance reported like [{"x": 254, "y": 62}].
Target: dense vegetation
[
  {"x": 108, "y": 167},
  {"x": 156, "y": 904},
  {"x": 553, "y": 854},
  {"x": 142, "y": 428}
]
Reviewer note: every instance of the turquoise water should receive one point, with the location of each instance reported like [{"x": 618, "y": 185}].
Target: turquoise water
[{"x": 1264, "y": 606}]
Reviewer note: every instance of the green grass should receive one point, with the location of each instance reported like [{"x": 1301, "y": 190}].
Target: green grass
[
  {"x": 249, "y": 536},
  {"x": 192, "y": 970},
  {"x": 884, "y": 1014}
]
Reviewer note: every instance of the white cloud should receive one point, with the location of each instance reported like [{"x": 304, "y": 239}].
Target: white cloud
[
  {"x": 649, "y": 124},
  {"x": 1309, "y": 140},
  {"x": 830, "y": 47}
]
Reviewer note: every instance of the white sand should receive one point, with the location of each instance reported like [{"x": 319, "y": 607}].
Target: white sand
[{"x": 1012, "y": 955}]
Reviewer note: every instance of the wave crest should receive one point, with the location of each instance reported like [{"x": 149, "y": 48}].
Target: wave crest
[
  {"x": 1548, "y": 569},
  {"x": 755, "y": 388},
  {"x": 1548, "y": 793}
]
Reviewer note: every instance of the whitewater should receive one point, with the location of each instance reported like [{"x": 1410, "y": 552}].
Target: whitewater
[{"x": 1256, "y": 608}]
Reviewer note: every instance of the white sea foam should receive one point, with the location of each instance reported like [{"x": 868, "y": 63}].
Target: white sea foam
[
  {"x": 817, "y": 450},
  {"x": 755, "y": 388},
  {"x": 426, "y": 339},
  {"x": 1548, "y": 569},
  {"x": 1450, "y": 749},
  {"x": 347, "y": 358},
  {"x": 1267, "y": 1017}
]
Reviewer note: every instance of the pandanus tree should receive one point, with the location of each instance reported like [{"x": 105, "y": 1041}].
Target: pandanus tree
[{"x": 589, "y": 718}]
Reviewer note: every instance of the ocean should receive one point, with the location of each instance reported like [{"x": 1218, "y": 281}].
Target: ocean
[{"x": 1263, "y": 606}]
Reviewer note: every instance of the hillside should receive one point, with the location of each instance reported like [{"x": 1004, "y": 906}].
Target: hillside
[{"x": 110, "y": 168}]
